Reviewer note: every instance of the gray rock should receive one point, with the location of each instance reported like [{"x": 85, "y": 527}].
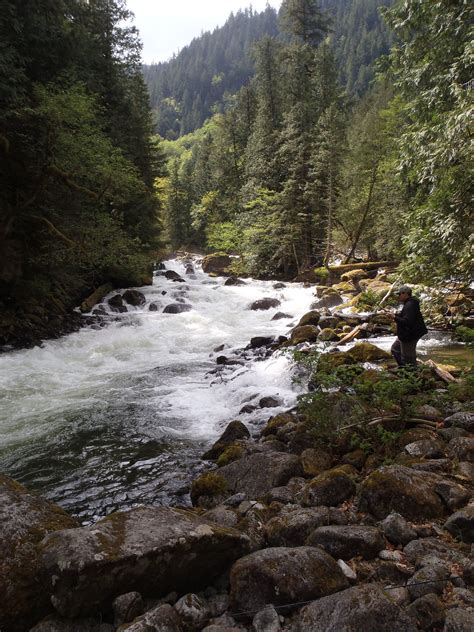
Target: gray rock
[
  {"x": 397, "y": 529},
  {"x": 261, "y": 341},
  {"x": 281, "y": 316},
  {"x": 173, "y": 276},
  {"x": 234, "y": 281},
  {"x": 462, "y": 449},
  {"x": 222, "y": 515},
  {"x": 270, "y": 402},
  {"x": 459, "y": 620},
  {"x": 266, "y": 620},
  {"x": 330, "y": 300},
  {"x": 218, "y": 604},
  {"x": 54, "y": 623},
  {"x": 193, "y": 610},
  {"x": 346, "y": 542},
  {"x": 292, "y": 528},
  {"x": 177, "y": 308},
  {"x": 428, "y": 611},
  {"x": 148, "y": 550},
  {"x": 264, "y": 304},
  {"x": 422, "y": 552},
  {"x": 281, "y": 576},
  {"x": 465, "y": 595},
  {"x": 25, "y": 519},
  {"x": 461, "y": 524},
  {"x": 163, "y": 618},
  {"x": 127, "y": 608},
  {"x": 429, "y": 579},
  {"x": 256, "y": 474},
  {"x": 134, "y": 297},
  {"x": 365, "y": 608},
  {"x": 330, "y": 488},
  {"x": 464, "y": 420},
  {"x": 453, "y": 495},
  {"x": 426, "y": 449}
]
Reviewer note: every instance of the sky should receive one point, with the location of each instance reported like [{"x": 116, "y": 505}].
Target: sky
[{"x": 166, "y": 26}]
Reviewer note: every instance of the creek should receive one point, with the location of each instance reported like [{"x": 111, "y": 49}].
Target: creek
[{"x": 118, "y": 415}]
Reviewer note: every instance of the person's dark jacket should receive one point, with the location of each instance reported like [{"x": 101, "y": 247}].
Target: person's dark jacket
[{"x": 410, "y": 323}]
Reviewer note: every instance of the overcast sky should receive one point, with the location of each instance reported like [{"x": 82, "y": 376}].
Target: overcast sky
[{"x": 166, "y": 26}]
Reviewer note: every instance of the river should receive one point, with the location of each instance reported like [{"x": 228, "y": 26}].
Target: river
[{"x": 116, "y": 416}]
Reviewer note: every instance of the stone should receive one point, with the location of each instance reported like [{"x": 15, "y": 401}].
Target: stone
[
  {"x": 461, "y": 524},
  {"x": 154, "y": 307},
  {"x": 264, "y": 304},
  {"x": 465, "y": 469},
  {"x": 53, "y": 623},
  {"x": 397, "y": 529},
  {"x": 293, "y": 527},
  {"x": 25, "y": 519},
  {"x": 218, "y": 604},
  {"x": 173, "y": 276},
  {"x": 257, "y": 473},
  {"x": 365, "y": 607},
  {"x": 422, "y": 552},
  {"x": 459, "y": 620},
  {"x": 310, "y": 318},
  {"x": 429, "y": 579},
  {"x": 216, "y": 263},
  {"x": 328, "y": 300},
  {"x": 426, "y": 449},
  {"x": 163, "y": 618},
  {"x": 270, "y": 402},
  {"x": 177, "y": 308},
  {"x": 193, "y": 610},
  {"x": 267, "y": 620},
  {"x": 367, "y": 352},
  {"x": 356, "y": 458},
  {"x": 306, "y": 333},
  {"x": 327, "y": 334},
  {"x": 452, "y": 494},
  {"x": 134, "y": 297},
  {"x": 403, "y": 490},
  {"x": 354, "y": 275},
  {"x": 261, "y": 341},
  {"x": 222, "y": 515},
  {"x": 462, "y": 449},
  {"x": 281, "y": 575},
  {"x": 281, "y": 316},
  {"x": 234, "y": 431},
  {"x": 234, "y": 281},
  {"x": 465, "y": 595},
  {"x": 148, "y": 550},
  {"x": 315, "y": 461},
  {"x": 428, "y": 611},
  {"x": 346, "y": 542},
  {"x": 347, "y": 570},
  {"x": 330, "y": 488},
  {"x": 127, "y": 607},
  {"x": 330, "y": 322},
  {"x": 464, "y": 420}
]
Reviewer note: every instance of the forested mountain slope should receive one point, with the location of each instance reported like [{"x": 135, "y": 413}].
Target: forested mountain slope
[{"x": 185, "y": 90}]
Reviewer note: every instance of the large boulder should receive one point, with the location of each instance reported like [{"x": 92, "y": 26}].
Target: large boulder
[
  {"x": 365, "y": 608},
  {"x": 24, "y": 520},
  {"x": 256, "y": 474},
  {"x": 174, "y": 276},
  {"x": 345, "y": 542},
  {"x": 134, "y": 297},
  {"x": 177, "y": 308},
  {"x": 293, "y": 527},
  {"x": 367, "y": 352},
  {"x": 216, "y": 263},
  {"x": 310, "y": 318},
  {"x": 330, "y": 488},
  {"x": 404, "y": 490},
  {"x": 149, "y": 550},
  {"x": 464, "y": 420},
  {"x": 304, "y": 333},
  {"x": 264, "y": 304},
  {"x": 281, "y": 575},
  {"x": 234, "y": 431}
]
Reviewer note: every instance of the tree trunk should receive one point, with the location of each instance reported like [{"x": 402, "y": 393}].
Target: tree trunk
[{"x": 364, "y": 216}]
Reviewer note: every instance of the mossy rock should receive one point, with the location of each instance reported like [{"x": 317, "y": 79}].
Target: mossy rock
[
  {"x": 328, "y": 334},
  {"x": 345, "y": 288},
  {"x": 231, "y": 453},
  {"x": 330, "y": 361},
  {"x": 310, "y": 318},
  {"x": 354, "y": 275},
  {"x": 367, "y": 352},
  {"x": 209, "y": 485},
  {"x": 277, "y": 422},
  {"x": 306, "y": 333},
  {"x": 329, "y": 488}
]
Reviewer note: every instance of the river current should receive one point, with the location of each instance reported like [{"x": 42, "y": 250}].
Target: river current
[{"x": 117, "y": 416}]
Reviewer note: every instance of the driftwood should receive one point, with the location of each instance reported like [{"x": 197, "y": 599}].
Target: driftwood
[
  {"x": 366, "y": 265},
  {"x": 351, "y": 335},
  {"x": 95, "y": 297},
  {"x": 441, "y": 373}
]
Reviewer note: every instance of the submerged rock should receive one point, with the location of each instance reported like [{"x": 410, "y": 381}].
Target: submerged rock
[
  {"x": 264, "y": 304},
  {"x": 148, "y": 550},
  {"x": 177, "y": 308}
]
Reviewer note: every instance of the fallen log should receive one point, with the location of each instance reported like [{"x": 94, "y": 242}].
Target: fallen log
[
  {"x": 441, "y": 373},
  {"x": 367, "y": 265},
  {"x": 95, "y": 297}
]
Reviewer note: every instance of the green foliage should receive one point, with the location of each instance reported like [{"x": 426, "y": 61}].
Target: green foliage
[
  {"x": 464, "y": 334},
  {"x": 463, "y": 390},
  {"x": 224, "y": 236}
]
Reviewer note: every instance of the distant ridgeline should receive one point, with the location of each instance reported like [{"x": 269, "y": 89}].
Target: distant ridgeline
[{"x": 186, "y": 90}]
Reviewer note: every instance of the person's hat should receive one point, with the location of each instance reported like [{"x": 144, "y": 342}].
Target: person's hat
[{"x": 406, "y": 289}]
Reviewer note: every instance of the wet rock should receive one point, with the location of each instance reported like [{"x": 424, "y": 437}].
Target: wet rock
[
  {"x": 261, "y": 341},
  {"x": 193, "y": 610},
  {"x": 148, "y": 550},
  {"x": 462, "y": 449},
  {"x": 279, "y": 286},
  {"x": 329, "y": 300},
  {"x": 189, "y": 270},
  {"x": 346, "y": 542},
  {"x": 306, "y": 333},
  {"x": 330, "y": 322},
  {"x": 216, "y": 263},
  {"x": 281, "y": 316},
  {"x": 367, "y": 352},
  {"x": 163, "y": 618},
  {"x": 329, "y": 488},
  {"x": 267, "y": 620},
  {"x": 426, "y": 449},
  {"x": 270, "y": 402},
  {"x": 127, "y": 608},
  {"x": 429, "y": 579},
  {"x": 315, "y": 461},
  {"x": 234, "y": 431},
  {"x": 116, "y": 303},
  {"x": 293, "y": 527},
  {"x": 234, "y": 281},
  {"x": 403, "y": 490},
  {"x": 154, "y": 307},
  {"x": 365, "y": 608},
  {"x": 24, "y": 520},
  {"x": 428, "y": 611},
  {"x": 310, "y": 318},
  {"x": 280, "y": 576},
  {"x": 459, "y": 620},
  {"x": 247, "y": 409},
  {"x": 174, "y": 276},
  {"x": 397, "y": 529},
  {"x": 464, "y": 420},
  {"x": 54, "y": 623},
  {"x": 264, "y": 304},
  {"x": 461, "y": 524},
  {"x": 177, "y": 308},
  {"x": 134, "y": 297},
  {"x": 327, "y": 334},
  {"x": 256, "y": 474}
]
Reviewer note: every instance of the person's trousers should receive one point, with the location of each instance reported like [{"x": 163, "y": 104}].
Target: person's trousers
[{"x": 404, "y": 352}]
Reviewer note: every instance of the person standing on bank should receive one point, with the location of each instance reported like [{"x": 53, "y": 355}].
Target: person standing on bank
[{"x": 410, "y": 328}]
